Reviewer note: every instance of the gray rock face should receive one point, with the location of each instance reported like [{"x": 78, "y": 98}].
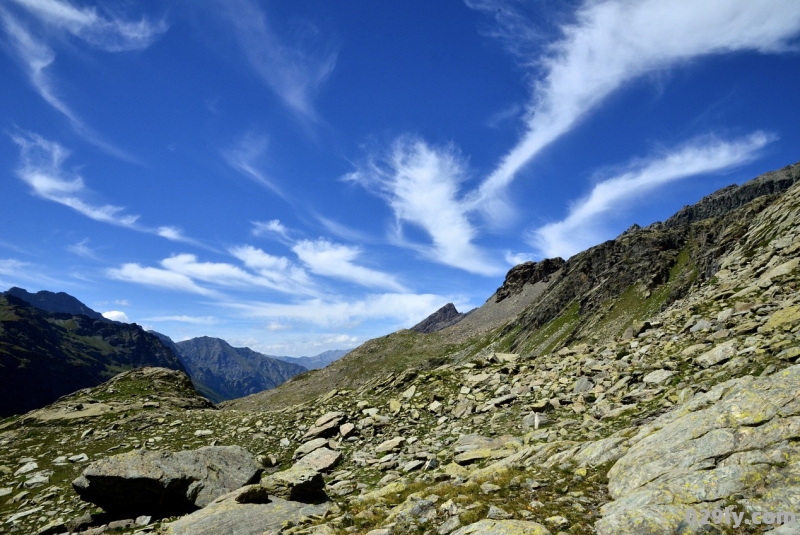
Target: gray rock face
[
  {"x": 228, "y": 516},
  {"x": 299, "y": 484},
  {"x": 715, "y": 447},
  {"x": 442, "y": 318},
  {"x": 163, "y": 483}
]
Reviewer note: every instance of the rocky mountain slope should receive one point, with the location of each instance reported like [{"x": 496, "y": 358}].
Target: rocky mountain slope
[
  {"x": 221, "y": 372},
  {"x": 665, "y": 384},
  {"x": 46, "y": 355},
  {"x": 55, "y": 302}
]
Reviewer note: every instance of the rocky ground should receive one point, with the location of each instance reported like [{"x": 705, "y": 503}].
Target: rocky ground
[{"x": 698, "y": 407}]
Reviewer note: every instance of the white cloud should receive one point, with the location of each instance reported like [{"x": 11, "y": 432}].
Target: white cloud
[
  {"x": 281, "y": 273},
  {"x": 584, "y": 227},
  {"x": 82, "y": 249},
  {"x": 404, "y": 308},
  {"x": 41, "y": 168},
  {"x": 122, "y": 302},
  {"x": 294, "y": 71},
  {"x": 421, "y": 184},
  {"x": 161, "y": 278},
  {"x": 116, "y": 315},
  {"x": 102, "y": 31},
  {"x": 186, "y": 273},
  {"x": 194, "y": 320},
  {"x": 338, "y": 261},
  {"x": 273, "y": 226},
  {"x": 615, "y": 41},
  {"x": 514, "y": 259},
  {"x": 275, "y": 326},
  {"x": 244, "y": 157}
]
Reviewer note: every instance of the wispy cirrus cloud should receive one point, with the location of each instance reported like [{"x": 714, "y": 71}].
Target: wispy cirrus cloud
[
  {"x": 42, "y": 169},
  {"x": 338, "y": 261},
  {"x": 294, "y": 71},
  {"x": 585, "y": 224},
  {"x": 610, "y": 44},
  {"x": 31, "y": 26},
  {"x": 246, "y": 156},
  {"x": 422, "y": 186},
  {"x": 82, "y": 249}
]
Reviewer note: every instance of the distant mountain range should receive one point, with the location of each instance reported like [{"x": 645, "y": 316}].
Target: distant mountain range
[
  {"x": 318, "y": 361},
  {"x": 45, "y": 355},
  {"x": 221, "y": 372}
]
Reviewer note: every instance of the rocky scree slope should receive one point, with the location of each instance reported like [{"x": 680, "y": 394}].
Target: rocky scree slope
[
  {"x": 46, "y": 355},
  {"x": 694, "y": 406},
  {"x": 594, "y": 295}
]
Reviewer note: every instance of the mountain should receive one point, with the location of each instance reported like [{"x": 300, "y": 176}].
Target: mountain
[
  {"x": 222, "y": 372},
  {"x": 442, "y": 318},
  {"x": 317, "y": 361},
  {"x": 55, "y": 302},
  {"x": 45, "y": 355},
  {"x": 623, "y": 391}
]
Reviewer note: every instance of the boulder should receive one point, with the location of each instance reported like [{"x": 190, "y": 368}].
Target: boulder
[
  {"x": 310, "y": 446},
  {"x": 326, "y": 426},
  {"x": 228, "y": 515},
  {"x": 710, "y": 450},
  {"x": 164, "y": 483},
  {"x": 321, "y": 459},
  {"x": 299, "y": 484}
]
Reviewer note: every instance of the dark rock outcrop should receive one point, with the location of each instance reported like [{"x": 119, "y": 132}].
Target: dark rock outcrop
[
  {"x": 726, "y": 199},
  {"x": 161, "y": 483},
  {"x": 442, "y": 318},
  {"x": 60, "y": 302},
  {"x": 527, "y": 273}
]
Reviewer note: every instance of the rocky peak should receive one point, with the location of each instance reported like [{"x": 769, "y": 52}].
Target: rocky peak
[
  {"x": 444, "y": 317},
  {"x": 527, "y": 273}
]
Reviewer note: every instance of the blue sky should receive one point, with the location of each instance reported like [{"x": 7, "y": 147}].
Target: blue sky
[{"x": 301, "y": 176}]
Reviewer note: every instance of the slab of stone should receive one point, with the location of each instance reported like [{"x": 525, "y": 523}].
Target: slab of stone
[
  {"x": 226, "y": 516},
  {"x": 710, "y": 450},
  {"x": 657, "y": 377},
  {"x": 298, "y": 483},
  {"x": 144, "y": 482},
  {"x": 321, "y": 459},
  {"x": 310, "y": 446},
  {"x": 718, "y": 355},
  {"x": 393, "y": 444}
]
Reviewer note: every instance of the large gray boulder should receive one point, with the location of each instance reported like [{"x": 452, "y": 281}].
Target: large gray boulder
[
  {"x": 738, "y": 441},
  {"x": 164, "y": 483},
  {"x": 237, "y": 513}
]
